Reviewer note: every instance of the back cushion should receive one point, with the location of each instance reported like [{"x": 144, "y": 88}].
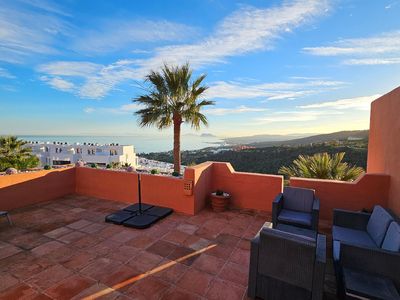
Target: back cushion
[
  {"x": 392, "y": 238},
  {"x": 298, "y": 199},
  {"x": 378, "y": 224}
]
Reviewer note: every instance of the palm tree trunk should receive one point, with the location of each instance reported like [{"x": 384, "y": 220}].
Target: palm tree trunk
[{"x": 177, "y": 143}]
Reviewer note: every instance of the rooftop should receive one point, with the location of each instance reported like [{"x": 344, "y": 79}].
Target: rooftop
[{"x": 63, "y": 249}]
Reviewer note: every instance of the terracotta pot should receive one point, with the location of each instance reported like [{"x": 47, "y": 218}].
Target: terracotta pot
[{"x": 219, "y": 203}]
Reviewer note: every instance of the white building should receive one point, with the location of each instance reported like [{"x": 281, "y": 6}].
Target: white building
[{"x": 59, "y": 153}]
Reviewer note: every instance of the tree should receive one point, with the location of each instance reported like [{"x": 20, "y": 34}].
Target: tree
[
  {"x": 322, "y": 166},
  {"x": 13, "y": 154},
  {"x": 173, "y": 98}
]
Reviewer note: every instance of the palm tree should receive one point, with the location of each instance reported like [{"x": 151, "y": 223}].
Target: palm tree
[
  {"x": 322, "y": 166},
  {"x": 13, "y": 154},
  {"x": 172, "y": 99}
]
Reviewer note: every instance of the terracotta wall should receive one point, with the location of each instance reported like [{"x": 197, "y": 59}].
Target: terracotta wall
[
  {"x": 248, "y": 190},
  {"x": 384, "y": 143},
  {"x": 107, "y": 184},
  {"x": 368, "y": 190},
  {"x": 25, "y": 189},
  {"x": 201, "y": 176}
]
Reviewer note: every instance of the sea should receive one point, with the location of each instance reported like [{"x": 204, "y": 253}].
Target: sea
[{"x": 142, "y": 144}]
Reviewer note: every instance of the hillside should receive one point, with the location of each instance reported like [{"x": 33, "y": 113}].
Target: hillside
[{"x": 320, "y": 138}]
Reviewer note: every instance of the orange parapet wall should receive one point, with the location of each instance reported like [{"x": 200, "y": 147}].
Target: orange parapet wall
[
  {"x": 25, "y": 189},
  {"x": 365, "y": 192},
  {"x": 384, "y": 143}
]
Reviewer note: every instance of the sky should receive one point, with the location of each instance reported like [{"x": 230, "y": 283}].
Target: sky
[{"x": 73, "y": 67}]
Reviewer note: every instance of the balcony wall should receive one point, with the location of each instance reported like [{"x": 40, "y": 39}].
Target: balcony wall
[
  {"x": 25, "y": 189},
  {"x": 364, "y": 193},
  {"x": 384, "y": 143}
]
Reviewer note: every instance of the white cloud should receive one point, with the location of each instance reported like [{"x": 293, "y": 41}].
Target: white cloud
[
  {"x": 271, "y": 91},
  {"x": 25, "y": 31},
  {"x": 5, "y": 74},
  {"x": 123, "y": 109},
  {"x": 293, "y": 116},
  {"x": 375, "y": 50},
  {"x": 115, "y": 35},
  {"x": 248, "y": 29},
  {"x": 59, "y": 83},
  {"x": 359, "y": 103},
  {"x": 235, "y": 110}
]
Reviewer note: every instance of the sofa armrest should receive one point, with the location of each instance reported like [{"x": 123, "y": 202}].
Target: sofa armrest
[
  {"x": 319, "y": 268},
  {"x": 253, "y": 267},
  {"x": 315, "y": 214},
  {"x": 276, "y": 208},
  {"x": 375, "y": 261},
  {"x": 350, "y": 219}
]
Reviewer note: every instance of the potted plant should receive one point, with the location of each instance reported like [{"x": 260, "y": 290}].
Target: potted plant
[{"x": 220, "y": 200}]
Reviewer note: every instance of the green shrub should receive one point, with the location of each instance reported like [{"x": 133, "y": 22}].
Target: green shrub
[
  {"x": 47, "y": 167},
  {"x": 154, "y": 171},
  {"x": 94, "y": 166},
  {"x": 176, "y": 174},
  {"x": 108, "y": 166}
]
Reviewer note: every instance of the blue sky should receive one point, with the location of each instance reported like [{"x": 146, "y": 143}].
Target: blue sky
[{"x": 273, "y": 67}]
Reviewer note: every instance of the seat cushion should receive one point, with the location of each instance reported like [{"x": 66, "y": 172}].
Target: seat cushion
[
  {"x": 295, "y": 217},
  {"x": 392, "y": 238},
  {"x": 298, "y": 199},
  {"x": 378, "y": 224},
  {"x": 336, "y": 251},
  {"x": 352, "y": 236}
]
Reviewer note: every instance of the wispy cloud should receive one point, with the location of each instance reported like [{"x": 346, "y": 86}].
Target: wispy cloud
[
  {"x": 25, "y": 31},
  {"x": 6, "y": 74},
  {"x": 117, "y": 35},
  {"x": 123, "y": 109},
  {"x": 59, "y": 83},
  {"x": 358, "y": 103},
  {"x": 272, "y": 91},
  {"x": 235, "y": 110},
  {"x": 375, "y": 50},
  {"x": 293, "y": 116},
  {"x": 246, "y": 30}
]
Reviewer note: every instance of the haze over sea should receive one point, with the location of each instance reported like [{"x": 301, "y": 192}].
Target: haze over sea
[{"x": 142, "y": 144}]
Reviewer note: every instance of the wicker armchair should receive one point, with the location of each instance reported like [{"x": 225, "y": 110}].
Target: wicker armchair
[
  {"x": 297, "y": 207},
  {"x": 286, "y": 266}
]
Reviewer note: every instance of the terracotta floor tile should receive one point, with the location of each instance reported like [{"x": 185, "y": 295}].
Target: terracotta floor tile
[
  {"x": 171, "y": 273},
  {"x": 179, "y": 294},
  {"x": 7, "y": 250},
  {"x": 20, "y": 291},
  {"x": 7, "y": 281},
  {"x": 162, "y": 248},
  {"x": 58, "y": 232},
  {"x": 220, "y": 251},
  {"x": 97, "y": 291},
  {"x": 240, "y": 256},
  {"x": 124, "y": 236},
  {"x": 86, "y": 241},
  {"x": 208, "y": 234},
  {"x": 79, "y": 260},
  {"x": 145, "y": 261},
  {"x": 119, "y": 275},
  {"x": 222, "y": 289},
  {"x": 150, "y": 288},
  {"x": 105, "y": 247},
  {"x": 235, "y": 273},
  {"x": 46, "y": 248},
  {"x": 209, "y": 264},
  {"x": 141, "y": 242},
  {"x": 176, "y": 237},
  {"x": 79, "y": 224},
  {"x": 71, "y": 237},
  {"x": 49, "y": 276},
  {"x": 92, "y": 228},
  {"x": 227, "y": 239},
  {"x": 195, "y": 281},
  {"x": 69, "y": 287},
  {"x": 187, "y": 228},
  {"x": 29, "y": 240},
  {"x": 196, "y": 243},
  {"x": 183, "y": 254},
  {"x": 124, "y": 253},
  {"x": 244, "y": 244},
  {"x": 99, "y": 267}
]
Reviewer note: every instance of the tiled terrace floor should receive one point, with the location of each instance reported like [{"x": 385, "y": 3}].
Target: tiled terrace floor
[{"x": 63, "y": 249}]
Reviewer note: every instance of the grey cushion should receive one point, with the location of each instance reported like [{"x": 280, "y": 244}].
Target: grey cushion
[
  {"x": 378, "y": 224},
  {"x": 298, "y": 199},
  {"x": 295, "y": 217},
  {"x": 392, "y": 238},
  {"x": 352, "y": 236}
]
